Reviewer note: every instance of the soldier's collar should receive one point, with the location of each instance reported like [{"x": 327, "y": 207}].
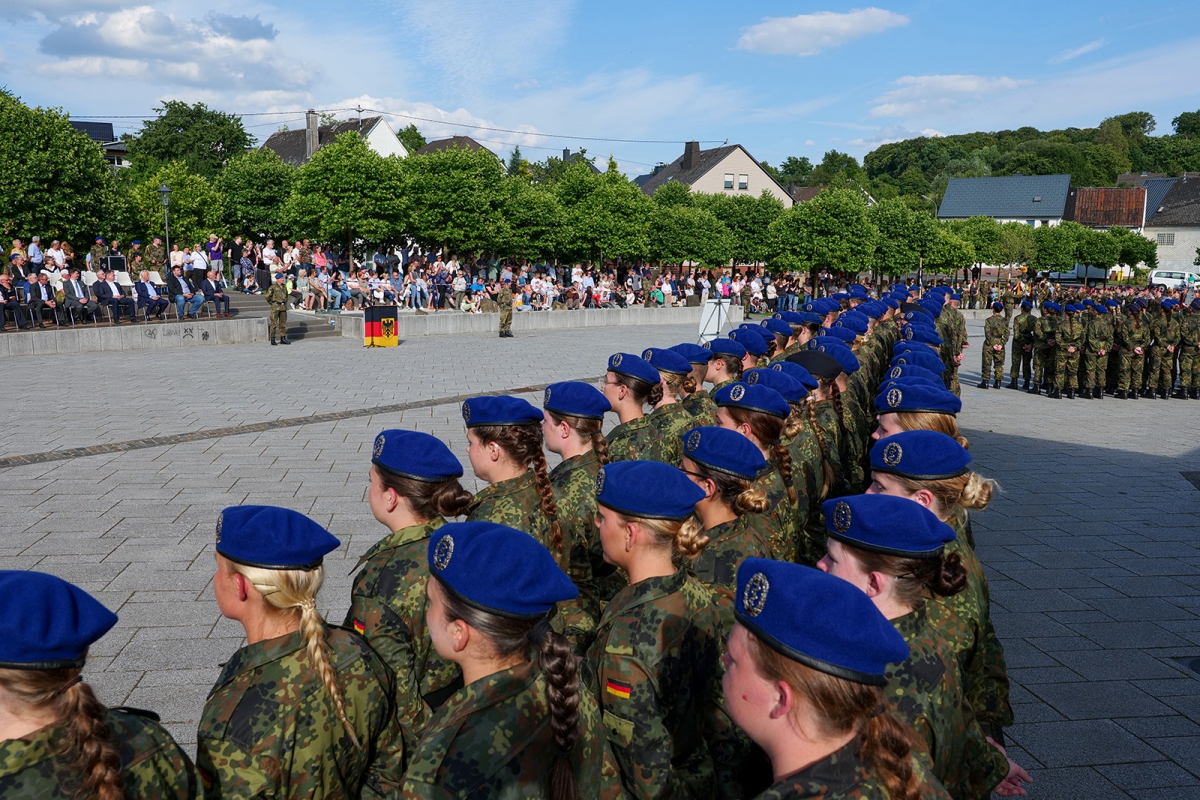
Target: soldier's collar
[
  {"x": 253, "y": 656},
  {"x": 644, "y": 592},
  {"x": 413, "y": 533}
]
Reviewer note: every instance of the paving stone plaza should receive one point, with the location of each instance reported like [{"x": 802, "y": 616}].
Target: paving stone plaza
[{"x": 1092, "y": 547}]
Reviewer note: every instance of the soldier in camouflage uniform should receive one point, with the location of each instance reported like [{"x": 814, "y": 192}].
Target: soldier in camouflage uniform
[
  {"x": 746, "y": 297},
  {"x": 1165, "y": 329},
  {"x": 629, "y": 385},
  {"x": 156, "y": 256},
  {"x": 1022, "y": 345},
  {"x": 698, "y": 403},
  {"x": 669, "y": 418},
  {"x": 523, "y": 727},
  {"x": 1132, "y": 336},
  {"x": 48, "y": 625},
  {"x": 309, "y": 712},
  {"x": 134, "y": 250},
  {"x": 1044, "y": 351},
  {"x": 995, "y": 336},
  {"x": 1189, "y": 352},
  {"x": 413, "y": 487},
  {"x": 97, "y": 256},
  {"x": 505, "y": 300},
  {"x": 654, "y": 664},
  {"x": 1009, "y": 300},
  {"x": 277, "y": 296},
  {"x": 1096, "y": 351}
]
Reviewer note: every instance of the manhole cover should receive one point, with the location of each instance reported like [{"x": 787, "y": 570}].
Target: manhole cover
[{"x": 1192, "y": 477}]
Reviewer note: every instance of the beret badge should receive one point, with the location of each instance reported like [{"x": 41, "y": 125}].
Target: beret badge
[
  {"x": 377, "y": 451},
  {"x": 752, "y": 378},
  {"x": 599, "y": 481},
  {"x": 841, "y": 517},
  {"x": 648, "y": 354},
  {"x": 777, "y": 367},
  {"x": 693, "y": 441},
  {"x": 736, "y": 393},
  {"x": 443, "y": 552},
  {"x": 901, "y": 361},
  {"x": 615, "y": 361},
  {"x": 908, "y": 333},
  {"x": 754, "y": 598},
  {"x": 896, "y": 372},
  {"x": 894, "y": 397},
  {"x": 466, "y": 412},
  {"x": 546, "y": 397},
  {"x": 708, "y": 345},
  {"x": 219, "y": 520},
  {"x": 892, "y": 454}
]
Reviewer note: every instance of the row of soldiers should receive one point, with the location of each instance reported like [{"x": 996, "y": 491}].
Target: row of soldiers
[
  {"x": 1131, "y": 348},
  {"x": 651, "y": 618}
]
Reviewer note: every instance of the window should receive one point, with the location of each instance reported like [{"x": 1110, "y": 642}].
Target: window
[
  {"x": 1166, "y": 240},
  {"x": 728, "y": 180},
  {"x": 1031, "y": 223},
  {"x": 743, "y": 181},
  {"x": 1045, "y": 222}
]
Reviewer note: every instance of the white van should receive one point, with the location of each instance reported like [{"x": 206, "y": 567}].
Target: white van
[{"x": 1173, "y": 279}]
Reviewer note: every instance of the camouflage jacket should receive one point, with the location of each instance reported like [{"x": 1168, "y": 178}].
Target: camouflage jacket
[
  {"x": 716, "y": 567},
  {"x": 1070, "y": 333},
  {"x": 574, "y": 483},
  {"x": 700, "y": 405},
  {"x": 1044, "y": 332},
  {"x": 1023, "y": 325},
  {"x": 927, "y": 692},
  {"x": 152, "y": 764},
  {"x": 808, "y": 468},
  {"x": 156, "y": 256},
  {"x": 1132, "y": 332},
  {"x": 654, "y": 668},
  {"x": 827, "y": 418},
  {"x": 1166, "y": 330},
  {"x": 995, "y": 331},
  {"x": 1099, "y": 334},
  {"x": 269, "y": 728},
  {"x": 783, "y": 521},
  {"x": 515, "y": 503},
  {"x": 277, "y": 296},
  {"x": 844, "y": 776},
  {"x": 633, "y": 441},
  {"x": 671, "y": 421},
  {"x": 493, "y": 739},
  {"x": 1189, "y": 330},
  {"x": 387, "y": 608}
]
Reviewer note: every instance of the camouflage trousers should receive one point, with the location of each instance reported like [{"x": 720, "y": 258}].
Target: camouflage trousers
[
  {"x": 1066, "y": 368},
  {"x": 1189, "y": 367},
  {"x": 1022, "y": 363},
  {"x": 993, "y": 363},
  {"x": 1008, "y": 309},
  {"x": 279, "y": 322},
  {"x": 1160, "y": 371},
  {"x": 1043, "y": 365},
  {"x": 1095, "y": 369},
  {"x": 1131, "y": 370},
  {"x": 505, "y": 320},
  {"x": 950, "y": 378}
]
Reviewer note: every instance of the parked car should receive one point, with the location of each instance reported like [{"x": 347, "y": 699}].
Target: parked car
[{"x": 1173, "y": 279}]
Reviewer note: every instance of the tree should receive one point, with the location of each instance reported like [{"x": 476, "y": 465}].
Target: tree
[
  {"x": 673, "y": 193},
  {"x": 680, "y": 233},
  {"x": 454, "y": 199},
  {"x": 1097, "y": 249},
  {"x": 837, "y": 170},
  {"x": 1137, "y": 125},
  {"x": 1133, "y": 248},
  {"x": 830, "y": 232},
  {"x": 794, "y": 171},
  {"x": 411, "y": 138},
  {"x": 1016, "y": 246},
  {"x": 1187, "y": 124},
  {"x": 203, "y": 139},
  {"x": 1056, "y": 246},
  {"x": 607, "y": 215},
  {"x": 748, "y": 220},
  {"x": 984, "y": 235},
  {"x": 905, "y": 237},
  {"x": 54, "y": 181},
  {"x": 518, "y": 167},
  {"x": 532, "y": 221},
  {"x": 196, "y": 209},
  {"x": 950, "y": 252},
  {"x": 255, "y": 187}
]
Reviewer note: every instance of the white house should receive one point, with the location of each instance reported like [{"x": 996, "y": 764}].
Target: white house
[
  {"x": 722, "y": 170},
  {"x": 1175, "y": 225}
]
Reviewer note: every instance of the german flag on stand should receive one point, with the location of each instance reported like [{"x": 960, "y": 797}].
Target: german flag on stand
[{"x": 379, "y": 328}]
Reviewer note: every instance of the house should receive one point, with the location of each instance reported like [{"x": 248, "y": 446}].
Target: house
[
  {"x": 721, "y": 170},
  {"x": 115, "y": 152},
  {"x": 1175, "y": 224},
  {"x": 568, "y": 157},
  {"x": 297, "y": 147},
  {"x": 1036, "y": 200},
  {"x": 802, "y": 194},
  {"x": 1102, "y": 208},
  {"x": 461, "y": 142}
]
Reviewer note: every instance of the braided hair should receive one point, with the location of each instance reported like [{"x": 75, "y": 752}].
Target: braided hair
[
  {"x": 767, "y": 428},
  {"x": 586, "y": 428},
  {"x": 523, "y": 444}
]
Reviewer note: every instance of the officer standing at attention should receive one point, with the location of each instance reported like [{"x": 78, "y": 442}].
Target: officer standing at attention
[
  {"x": 521, "y": 726},
  {"x": 56, "y": 739},
  {"x": 412, "y": 488},
  {"x": 156, "y": 256},
  {"x": 304, "y": 709},
  {"x": 995, "y": 336},
  {"x": 97, "y": 257},
  {"x": 1022, "y": 344},
  {"x": 1070, "y": 347},
  {"x": 277, "y": 296},
  {"x": 505, "y": 300}
]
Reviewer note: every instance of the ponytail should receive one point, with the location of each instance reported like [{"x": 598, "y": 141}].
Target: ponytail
[
  {"x": 954, "y": 495},
  {"x": 887, "y": 746},
  {"x": 835, "y": 394},
  {"x": 587, "y": 429},
  {"x": 523, "y": 444},
  {"x": 915, "y": 578},
  {"x": 312, "y": 628},
  {"x": 600, "y": 446},
  {"x": 783, "y": 460},
  {"x": 737, "y": 493},
  {"x": 827, "y": 473}
]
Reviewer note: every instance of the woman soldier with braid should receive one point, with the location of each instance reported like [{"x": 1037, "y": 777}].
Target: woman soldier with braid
[
  {"x": 826, "y": 369},
  {"x": 760, "y": 414},
  {"x": 669, "y": 417},
  {"x": 413, "y": 488},
  {"x": 629, "y": 385},
  {"x": 521, "y": 726},
  {"x": 57, "y": 742},
  {"x": 654, "y": 663},
  {"x": 697, "y": 401},
  {"x": 303, "y": 710},
  {"x": 504, "y": 444}
]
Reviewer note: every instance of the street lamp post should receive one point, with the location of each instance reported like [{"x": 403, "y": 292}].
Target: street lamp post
[{"x": 164, "y": 194}]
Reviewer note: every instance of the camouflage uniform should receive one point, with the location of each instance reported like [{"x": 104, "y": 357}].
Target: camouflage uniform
[
  {"x": 270, "y": 729},
  {"x": 1066, "y": 363},
  {"x": 1009, "y": 300},
  {"x": 716, "y": 567},
  {"x": 1132, "y": 333},
  {"x": 515, "y": 503},
  {"x": 827, "y": 418},
  {"x": 156, "y": 256},
  {"x": 671, "y": 421},
  {"x": 387, "y": 608},
  {"x": 1189, "y": 352},
  {"x": 782, "y": 520},
  {"x": 493, "y": 739},
  {"x": 633, "y": 441},
  {"x": 505, "y": 300},
  {"x": 1099, "y": 337},
  {"x": 1044, "y": 332},
  {"x": 951, "y": 348},
  {"x": 700, "y": 405},
  {"x": 747, "y": 296},
  {"x": 1162, "y": 361},
  {"x": 927, "y": 692},
  {"x": 574, "y": 484},
  {"x": 152, "y": 764},
  {"x": 844, "y": 776},
  {"x": 277, "y": 295},
  {"x": 995, "y": 332},
  {"x": 1022, "y": 337},
  {"x": 809, "y": 470},
  {"x": 654, "y": 668},
  {"x": 98, "y": 253}
]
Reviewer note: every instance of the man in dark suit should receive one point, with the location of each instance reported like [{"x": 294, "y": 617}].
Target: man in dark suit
[
  {"x": 41, "y": 297},
  {"x": 184, "y": 294},
  {"x": 149, "y": 298},
  {"x": 9, "y": 303},
  {"x": 108, "y": 292},
  {"x": 79, "y": 297},
  {"x": 214, "y": 292}
]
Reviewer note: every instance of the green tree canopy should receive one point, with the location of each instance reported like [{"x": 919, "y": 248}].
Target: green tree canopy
[
  {"x": 673, "y": 193},
  {"x": 950, "y": 252},
  {"x": 1097, "y": 249},
  {"x": 795, "y": 171},
  {"x": 255, "y": 187},
  {"x": 905, "y": 237},
  {"x": 203, "y": 139},
  {"x": 1133, "y": 248},
  {"x": 1056, "y": 246},
  {"x": 748, "y": 220},
  {"x": 681, "y": 233},
  {"x": 984, "y": 235},
  {"x": 196, "y": 208},
  {"x": 1187, "y": 124},
  {"x": 454, "y": 199},
  {"x": 607, "y": 215},
  {"x": 531, "y": 221},
  {"x": 830, "y": 232},
  {"x": 411, "y": 138}
]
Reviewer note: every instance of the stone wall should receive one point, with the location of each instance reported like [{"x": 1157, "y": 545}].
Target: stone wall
[{"x": 142, "y": 336}]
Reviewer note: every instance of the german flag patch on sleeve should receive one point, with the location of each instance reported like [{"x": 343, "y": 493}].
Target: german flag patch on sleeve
[
  {"x": 359, "y": 628},
  {"x": 618, "y": 689}
]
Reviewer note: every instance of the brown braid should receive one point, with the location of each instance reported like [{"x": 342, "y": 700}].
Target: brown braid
[
  {"x": 783, "y": 459},
  {"x": 643, "y": 391},
  {"x": 428, "y": 500},
  {"x": 523, "y": 444},
  {"x": 733, "y": 365},
  {"x": 678, "y": 383},
  {"x": 541, "y": 478},
  {"x": 944, "y": 575},
  {"x": 767, "y": 428},
  {"x": 827, "y": 474},
  {"x": 88, "y": 737},
  {"x": 835, "y": 394}
]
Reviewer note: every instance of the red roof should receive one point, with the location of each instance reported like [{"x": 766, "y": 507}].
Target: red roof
[{"x": 1103, "y": 207}]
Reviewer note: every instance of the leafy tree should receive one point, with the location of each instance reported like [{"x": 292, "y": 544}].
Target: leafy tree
[
  {"x": 1016, "y": 246},
  {"x": 553, "y": 169},
  {"x": 203, "y": 139},
  {"x": 905, "y": 237},
  {"x": 1056, "y": 246},
  {"x": 518, "y": 167},
  {"x": 673, "y": 193},
  {"x": 54, "y": 181},
  {"x": 255, "y": 187},
  {"x": 532, "y": 221},
  {"x": 1137, "y": 125},
  {"x": 1097, "y": 249},
  {"x": 830, "y": 232},
  {"x": 347, "y": 193},
  {"x": 836, "y": 170},
  {"x": 748, "y": 220},
  {"x": 984, "y": 235},
  {"x": 454, "y": 199},
  {"x": 1133, "y": 248},
  {"x": 411, "y": 138},
  {"x": 950, "y": 252},
  {"x": 607, "y": 215},
  {"x": 680, "y": 233},
  {"x": 196, "y": 209},
  {"x": 795, "y": 171},
  {"x": 1187, "y": 124}
]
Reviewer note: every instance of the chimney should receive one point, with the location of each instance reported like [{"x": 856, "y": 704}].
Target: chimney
[
  {"x": 311, "y": 135},
  {"x": 566, "y": 154},
  {"x": 691, "y": 155}
]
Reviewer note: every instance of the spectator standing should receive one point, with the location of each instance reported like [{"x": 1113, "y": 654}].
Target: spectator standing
[
  {"x": 35, "y": 256},
  {"x": 236, "y": 251},
  {"x": 199, "y": 264},
  {"x": 176, "y": 257},
  {"x": 214, "y": 253},
  {"x": 460, "y": 288}
]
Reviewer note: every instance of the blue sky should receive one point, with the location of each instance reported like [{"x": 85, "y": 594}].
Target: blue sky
[{"x": 781, "y": 78}]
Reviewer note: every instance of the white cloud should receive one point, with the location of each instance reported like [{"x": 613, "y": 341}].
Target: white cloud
[
  {"x": 400, "y": 113},
  {"x": 809, "y": 143},
  {"x": 809, "y": 34},
  {"x": 919, "y": 94},
  {"x": 54, "y": 10},
  {"x": 1067, "y": 55},
  {"x": 889, "y": 134}
]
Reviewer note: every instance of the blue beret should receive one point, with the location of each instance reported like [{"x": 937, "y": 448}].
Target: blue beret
[
  {"x": 498, "y": 569},
  {"x": 835, "y": 348},
  {"x": 1024, "y": 304},
  {"x": 47, "y": 623},
  {"x": 791, "y": 317},
  {"x": 777, "y": 327},
  {"x": 906, "y": 346},
  {"x": 1112, "y": 303},
  {"x": 817, "y": 362},
  {"x": 99, "y": 238},
  {"x": 272, "y": 538},
  {"x": 913, "y": 371},
  {"x": 917, "y": 397},
  {"x": 955, "y": 296},
  {"x": 500, "y": 410},
  {"x": 416, "y": 455},
  {"x": 923, "y": 455},
  {"x": 911, "y": 381},
  {"x": 811, "y": 319},
  {"x": 922, "y": 358},
  {"x": 1071, "y": 308},
  {"x": 137, "y": 241},
  {"x": 874, "y": 309},
  {"x": 798, "y": 372},
  {"x": 1050, "y": 305},
  {"x": 823, "y": 622},
  {"x": 753, "y": 398},
  {"x": 858, "y": 292},
  {"x": 840, "y": 296},
  {"x": 997, "y": 306},
  {"x": 788, "y": 387},
  {"x": 919, "y": 318},
  {"x": 634, "y": 367},
  {"x": 918, "y": 333},
  {"x": 727, "y": 347},
  {"x": 723, "y": 450},
  {"x": 667, "y": 360},
  {"x": 575, "y": 399},
  {"x": 1087, "y": 302},
  {"x": 1194, "y": 305},
  {"x": 647, "y": 489},
  {"x": 841, "y": 332},
  {"x": 880, "y": 523},
  {"x": 694, "y": 353},
  {"x": 1169, "y": 303},
  {"x": 750, "y": 339},
  {"x": 891, "y": 302}
]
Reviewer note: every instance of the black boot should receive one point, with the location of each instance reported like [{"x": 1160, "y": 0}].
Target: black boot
[
  {"x": 284, "y": 340},
  {"x": 982, "y": 384},
  {"x": 1034, "y": 390},
  {"x": 1085, "y": 394},
  {"x": 1134, "y": 394},
  {"x": 1196, "y": 394},
  {"x": 1070, "y": 394},
  {"x": 1122, "y": 394},
  {"x": 1013, "y": 384},
  {"x": 1162, "y": 394},
  {"x": 1055, "y": 394},
  {"x": 1098, "y": 393},
  {"x": 273, "y": 342},
  {"x": 1026, "y": 384},
  {"x": 995, "y": 383}
]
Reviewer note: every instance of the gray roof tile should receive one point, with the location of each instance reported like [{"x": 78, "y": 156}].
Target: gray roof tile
[
  {"x": 1009, "y": 197},
  {"x": 290, "y": 146},
  {"x": 1180, "y": 207}
]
